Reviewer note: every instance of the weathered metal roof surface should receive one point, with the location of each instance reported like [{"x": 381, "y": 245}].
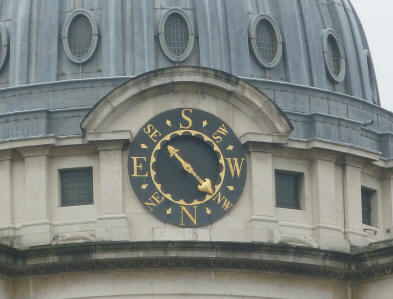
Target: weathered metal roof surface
[
  {"x": 43, "y": 92},
  {"x": 128, "y": 42}
]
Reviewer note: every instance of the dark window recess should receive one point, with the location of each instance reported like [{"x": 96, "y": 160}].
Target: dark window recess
[
  {"x": 367, "y": 196},
  {"x": 266, "y": 40},
  {"x": 80, "y": 36},
  {"x": 1, "y": 45},
  {"x": 76, "y": 186},
  {"x": 287, "y": 189},
  {"x": 371, "y": 75},
  {"x": 334, "y": 55},
  {"x": 176, "y": 34}
]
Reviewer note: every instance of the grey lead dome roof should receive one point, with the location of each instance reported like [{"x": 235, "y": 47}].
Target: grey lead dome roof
[
  {"x": 311, "y": 57},
  {"x": 128, "y": 40}
]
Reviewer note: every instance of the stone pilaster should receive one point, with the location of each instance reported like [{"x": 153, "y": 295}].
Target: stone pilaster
[
  {"x": 326, "y": 229},
  {"x": 6, "y": 207},
  {"x": 263, "y": 224},
  {"x": 36, "y": 230},
  {"x": 387, "y": 204},
  {"x": 112, "y": 223},
  {"x": 353, "y": 203}
]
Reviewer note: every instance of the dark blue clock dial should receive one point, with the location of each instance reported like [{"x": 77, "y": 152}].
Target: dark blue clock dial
[{"x": 187, "y": 167}]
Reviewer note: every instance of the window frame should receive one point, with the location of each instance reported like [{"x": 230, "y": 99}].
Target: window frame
[
  {"x": 326, "y": 34},
  {"x": 62, "y": 170},
  {"x": 252, "y": 33},
  {"x": 161, "y": 35},
  {"x": 372, "y": 203},
  {"x": 372, "y": 78},
  {"x": 94, "y": 38},
  {"x": 299, "y": 180},
  {"x": 5, "y": 45}
]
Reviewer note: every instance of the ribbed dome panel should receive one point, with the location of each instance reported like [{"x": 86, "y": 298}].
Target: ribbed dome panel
[{"x": 128, "y": 43}]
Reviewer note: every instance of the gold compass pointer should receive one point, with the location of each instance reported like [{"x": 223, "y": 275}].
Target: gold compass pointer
[{"x": 205, "y": 185}]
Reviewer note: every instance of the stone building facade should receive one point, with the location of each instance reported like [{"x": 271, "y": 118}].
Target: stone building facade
[{"x": 294, "y": 82}]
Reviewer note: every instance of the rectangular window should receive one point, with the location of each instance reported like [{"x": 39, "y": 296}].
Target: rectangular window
[
  {"x": 76, "y": 186},
  {"x": 287, "y": 189},
  {"x": 367, "y": 196}
]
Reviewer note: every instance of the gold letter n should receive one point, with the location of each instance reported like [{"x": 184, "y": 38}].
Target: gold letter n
[{"x": 193, "y": 218}]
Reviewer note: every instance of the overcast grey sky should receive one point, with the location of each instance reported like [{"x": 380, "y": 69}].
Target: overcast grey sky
[{"x": 377, "y": 20}]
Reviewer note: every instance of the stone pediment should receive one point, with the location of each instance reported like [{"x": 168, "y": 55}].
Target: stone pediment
[{"x": 243, "y": 106}]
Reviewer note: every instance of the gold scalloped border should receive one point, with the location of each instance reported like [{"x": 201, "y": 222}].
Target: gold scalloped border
[{"x": 206, "y": 139}]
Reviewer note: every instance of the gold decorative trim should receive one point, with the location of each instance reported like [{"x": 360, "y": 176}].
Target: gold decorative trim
[{"x": 206, "y": 139}]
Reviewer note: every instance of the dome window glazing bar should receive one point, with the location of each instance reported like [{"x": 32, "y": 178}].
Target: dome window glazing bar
[
  {"x": 334, "y": 56},
  {"x": 372, "y": 79},
  {"x": 4, "y": 45},
  {"x": 80, "y": 36},
  {"x": 266, "y": 40},
  {"x": 176, "y": 35}
]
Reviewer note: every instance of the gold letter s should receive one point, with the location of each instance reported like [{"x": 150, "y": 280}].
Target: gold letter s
[{"x": 185, "y": 117}]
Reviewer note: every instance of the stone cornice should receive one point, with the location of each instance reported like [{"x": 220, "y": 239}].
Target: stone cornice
[{"x": 359, "y": 265}]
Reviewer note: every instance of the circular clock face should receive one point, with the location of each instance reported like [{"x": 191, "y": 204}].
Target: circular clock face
[{"x": 187, "y": 167}]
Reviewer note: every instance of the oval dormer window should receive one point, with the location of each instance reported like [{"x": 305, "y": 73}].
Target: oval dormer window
[
  {"x": 80, "y": 36},
  {"x": 334, "y": 56},
  {"x": 266, "y": 40},
  {"x": 176, "y": 35},
  {"x": 4, "y": 46}
]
